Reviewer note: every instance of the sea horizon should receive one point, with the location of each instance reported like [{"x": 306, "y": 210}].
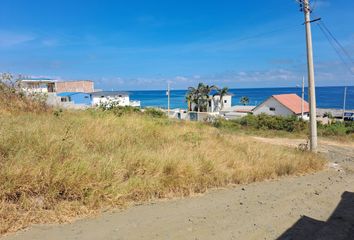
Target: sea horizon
[
  {"x": 185, "y": 89},
  {"x": 326, "y": 96}
]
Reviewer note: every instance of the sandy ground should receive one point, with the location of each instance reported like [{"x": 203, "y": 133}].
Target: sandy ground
[{"x": 262, "y": 210}]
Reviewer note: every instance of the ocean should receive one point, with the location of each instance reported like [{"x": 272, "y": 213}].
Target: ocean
[{"x": 327, "y": 97}]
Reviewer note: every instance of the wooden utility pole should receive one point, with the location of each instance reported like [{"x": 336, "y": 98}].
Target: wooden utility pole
[{"x": 305, "y": 6}]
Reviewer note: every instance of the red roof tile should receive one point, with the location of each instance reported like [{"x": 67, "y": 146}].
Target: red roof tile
[{"x": 292, "y": 102}]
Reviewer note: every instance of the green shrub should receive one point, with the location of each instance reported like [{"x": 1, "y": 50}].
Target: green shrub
[
  {"x": 120, "y": 111},
  {"x": 336, "y": 129},
  {"x": 116, "y": 109},
  {"x": 267, "y": 122},
  {"x": 155, "y": 113},
  {"x": 226, "y": 124}
]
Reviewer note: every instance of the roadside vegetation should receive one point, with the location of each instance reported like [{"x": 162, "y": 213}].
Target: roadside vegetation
[
  {"x": 266, "y": 125},
  {"x": 58, "y": 165}
]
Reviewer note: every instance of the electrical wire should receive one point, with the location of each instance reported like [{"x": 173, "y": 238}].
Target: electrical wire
[
  {"x": 338, "y": 43},
  {"x": 328, "y": 37}
]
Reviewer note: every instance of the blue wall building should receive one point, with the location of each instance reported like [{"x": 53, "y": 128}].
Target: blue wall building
[{"x": 76, "y": 97}]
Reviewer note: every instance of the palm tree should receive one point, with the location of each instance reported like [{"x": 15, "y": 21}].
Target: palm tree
[
  {"x": 191, "y": 97},
  {"x": 199, "y": 96},
  {"x": 205, "y": 91},
  {"x": 244, "y": 100},
  {"x": 222, "y": 92}
]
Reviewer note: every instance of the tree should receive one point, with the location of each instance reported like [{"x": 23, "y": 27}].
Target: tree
[
  {"x": 222, "y": 92},
  {"x": 244, "y": 100},
  {"x": 199, "y": 96},
  {"x": 191, "y": 97}
]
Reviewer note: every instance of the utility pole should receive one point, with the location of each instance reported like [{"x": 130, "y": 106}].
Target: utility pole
[
  {"x": 305, "y": 6},
  {"x": 344, "y": 101},
  {"x": 168, "y": 99},
  {"x": 302, "y": 97}
]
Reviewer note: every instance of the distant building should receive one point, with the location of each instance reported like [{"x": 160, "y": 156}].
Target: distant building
[
  {"x": 38, "y": 85},
  {"x": 75, "y": 94},
  {"x": 282, "y": 105},
  {"x": 237, "y": 111},
  {"x": 84, "y": 86},
  {"x": 122, "y": 98},
  {"x": 214, "y": 104},
  {"x": 78, "y": 98},
  {"x": 56, "y": 86}
]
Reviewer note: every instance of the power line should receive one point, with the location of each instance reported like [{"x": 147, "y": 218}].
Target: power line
[
  {"x": 327, "y": 36},
  {"x": 338, "y": 43}
]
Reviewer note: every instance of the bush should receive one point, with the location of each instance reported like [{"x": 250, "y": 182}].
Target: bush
[
  {"x": 267, "y": 122},
  {"x": 120, "y": 111},
  {"x": 14, "y": 100},
  {"x": 155, "y": 113},
  {"x": 286, "y": 124},
  {"x": 336, "y": 129}
]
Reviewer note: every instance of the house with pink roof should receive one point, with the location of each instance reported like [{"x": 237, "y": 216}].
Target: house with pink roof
[{"x": 283, "y": 105}]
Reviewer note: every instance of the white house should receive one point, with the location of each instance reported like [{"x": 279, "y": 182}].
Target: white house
[
  {"x": 283, "y": 105},
  {"x": 122, "y": 98},
  {"x": 214, "y": 104},
  {"x": 38, "y": 85}
]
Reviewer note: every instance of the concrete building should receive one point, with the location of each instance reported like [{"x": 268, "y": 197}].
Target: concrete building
[
  {"x": 84, "y": 86},
  {"x": 214, "y": 104},
  {"x": 38, "y": 85},
  {"x": 282, "y": 105},
  {"x": 122, "y": 98},
  {"x": 237, "y": 111},
  {"x": 56, "y": 86},
  {"x": 78, "y": 98}
]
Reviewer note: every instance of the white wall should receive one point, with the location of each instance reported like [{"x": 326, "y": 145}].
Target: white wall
[
  {"x": 280, "y": 110},
  {"x": 123, "y": 100},
  {"x": 35, "y": 88},
  {"x": 216, "y": 104}
]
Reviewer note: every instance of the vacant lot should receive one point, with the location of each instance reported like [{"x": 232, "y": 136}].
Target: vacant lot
[{"x": 57, "y": 166}]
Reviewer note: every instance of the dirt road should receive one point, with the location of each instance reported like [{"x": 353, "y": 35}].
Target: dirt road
[{"x": 262, "y": 210}]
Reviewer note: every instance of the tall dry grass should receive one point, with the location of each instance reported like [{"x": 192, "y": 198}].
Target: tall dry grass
[
  {"x": 57, "y": 167},
  {"x": 13, "y": 101}
]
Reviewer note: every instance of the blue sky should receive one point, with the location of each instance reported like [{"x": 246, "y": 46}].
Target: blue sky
[{"x": 135, "y": 45}]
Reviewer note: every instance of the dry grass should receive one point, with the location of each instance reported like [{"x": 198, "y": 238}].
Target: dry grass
[
  {"x": 53, "y": 169},
  {"x": 11, "y": 101}
]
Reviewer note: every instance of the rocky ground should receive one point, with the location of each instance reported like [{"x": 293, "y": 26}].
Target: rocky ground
[{"x": 281, "y": 209}]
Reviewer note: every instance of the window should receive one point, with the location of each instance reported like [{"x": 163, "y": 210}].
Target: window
[
  {"x": 272, "y": 109},
  {"x": 86, "y": 97},
  {"x": 64, "y": 99},
  {"x": 209, "y": 103},
  {"x": 225, "y": 101}
]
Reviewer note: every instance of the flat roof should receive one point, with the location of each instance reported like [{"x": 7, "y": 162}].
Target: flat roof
[
  {"x": 110, "y": 93},
  {"x": 44, "y": 80},
  {"x": 74, "y": 81},
  {"x": 66, "y": 94}
]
